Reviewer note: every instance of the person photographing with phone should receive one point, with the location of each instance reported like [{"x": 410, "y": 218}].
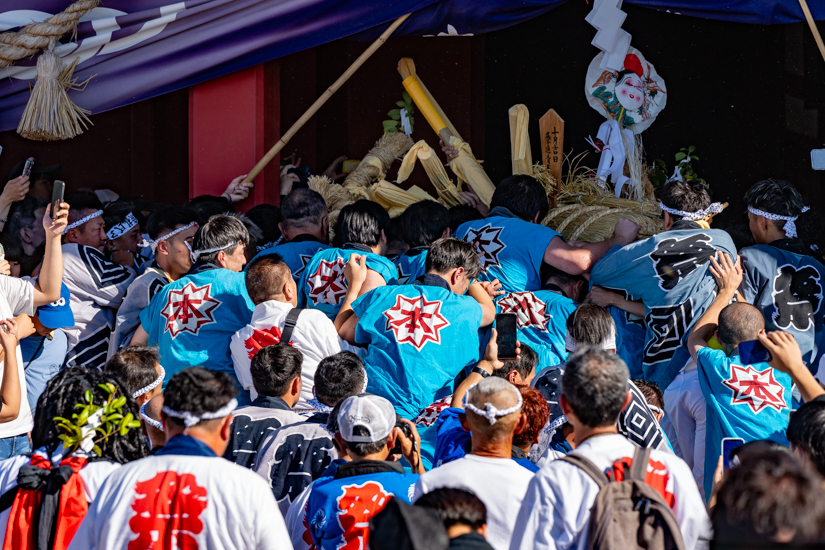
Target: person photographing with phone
[{"x": 746, "y": 396}]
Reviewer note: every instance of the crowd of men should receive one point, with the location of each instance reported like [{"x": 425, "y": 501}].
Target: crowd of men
[{"x": 186, "y": 376}]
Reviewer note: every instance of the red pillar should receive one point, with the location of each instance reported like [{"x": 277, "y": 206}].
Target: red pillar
[{"x": 232, "y": 121}]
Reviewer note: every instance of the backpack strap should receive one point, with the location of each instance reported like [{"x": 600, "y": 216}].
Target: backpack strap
[
  {"x": 289, "y": 324},
  {"x": 589, "y": 468},
  {"x": 638, "y": 470}
]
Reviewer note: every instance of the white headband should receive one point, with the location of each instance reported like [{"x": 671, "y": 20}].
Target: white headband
[
  {"x": 81, "y": 221},
  {"x": 490, "y": 412},
  {"x": 149, "y": 420},
  {"x": 195, "y": 254},
  {"x": 714, "y": 208},
  {"x": 158, "y": 381},
  {"x": 120, "y": 229},
  {"x": 789, "y": 227},
  {"x": 154, "y": 244},
  {"x": 608, "y": 343},
  {"x": 190, "y": 419}
]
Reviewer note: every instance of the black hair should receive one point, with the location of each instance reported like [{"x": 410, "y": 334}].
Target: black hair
[
  {"x": 424, "y": 222},
  {"x": 450, "y": 253},
  {"x": 769, "y": 493},
  {"x": 365, "y": 449},
  {"x": 12, "y": 247},
  {"x": 525, "y": 365},
  {"x": 21, "y": 215},
  {"x": 652, "y": 393},
  {"x": 255, "y": 234},
  {"x": 741, "y": 236},
  {"x": 361, "y": 223},
  {"x": 522, "y": 195},
  {"x": 220, "y": 231},
  {"x": 687, "y": 196},
  {"x": 135, "y": 366},
  {"x": 455, "y": 507},
  {"x": 806, "y": 431},
  {"x": 775, "y": 197},
  {"x": 209, "y": 205},
  {"x": 79, "y": 201},
  {"x": 266, "y": 217},
  {"x": 461, "y": 214},
  {"x": 115, "y": 213},
  {"x": 396, "y": 232},
  {"x": 274, "y": 368},
  {"x": 167, "y": 219},
  {"x": 265, "y": 276},
  {"x": 66, "y": 390},
  {"x": 197, "y": 390},
  {"x": 739, "y": 322},
  {"x": 303, "y": 207},
  {"x": 590, "y": 325},
  {"x": 594, "y": 384},
  {"x": 552, "y": 275},
  {"x": 339, "y": 376}
]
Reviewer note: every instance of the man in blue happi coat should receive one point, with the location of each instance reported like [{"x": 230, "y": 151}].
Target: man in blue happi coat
[
  {"x": 420, "y": 335},
  {"x": 668, "y": 273},
  {"x": 423, "y": 223},
  {"x": 542, "y": 314},
  {"x": 752, "y": 401},
  {"x": 361, "y": 229},
  {"x": 512, "y": 245},
  {"x": 305, "y": 229},
  {"x": 780, "y": 277},
  {"x": 193, "y": 319}
]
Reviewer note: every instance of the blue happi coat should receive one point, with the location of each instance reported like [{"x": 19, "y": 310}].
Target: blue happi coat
[
  {"x": 296, "y": 253},
  {"x": 339, "y": 508},
  {"x": 419, "y": 338},
  {"x": 630, "y": 340},
  {"x": 542, "y": 322},
  {"x": 323, "y": 285},
  {"x": 669, "y": 273},
  {"x": 410, "y": 264},
  {"x": 510, "y": 249},
  {"x": 193, "y": 319},
  {"x": 786, "y": 284},
  {"x": 748, "y": 401}
]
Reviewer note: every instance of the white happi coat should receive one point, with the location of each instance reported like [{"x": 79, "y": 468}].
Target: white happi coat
[
  {"x": 137, "y": 298},
  {"x": 97, "y": 287},
  {"x": 556, "y": 509},
  {"x": 217, "y": 505},
  {"x": 314, "y": 336}
]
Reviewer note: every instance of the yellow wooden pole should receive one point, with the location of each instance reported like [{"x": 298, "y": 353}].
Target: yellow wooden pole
[
  {"x": 323, "y": 99},
  {"x": 811, "y": 23}
]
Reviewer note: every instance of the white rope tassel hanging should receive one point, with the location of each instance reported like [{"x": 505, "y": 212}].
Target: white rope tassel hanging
[{"x": 50, "y": 114}]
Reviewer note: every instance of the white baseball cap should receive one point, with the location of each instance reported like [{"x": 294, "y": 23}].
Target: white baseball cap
[{"x": 372, "y": 412}]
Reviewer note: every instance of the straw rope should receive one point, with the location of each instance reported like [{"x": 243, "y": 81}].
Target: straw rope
[{"x": 37, "y": 36}]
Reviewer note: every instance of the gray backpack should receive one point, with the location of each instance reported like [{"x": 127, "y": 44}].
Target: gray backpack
[{"x": 628, "y": 514}]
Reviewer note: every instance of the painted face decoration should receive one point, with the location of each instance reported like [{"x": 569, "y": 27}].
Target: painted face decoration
[{"x": 630, "y": 92}]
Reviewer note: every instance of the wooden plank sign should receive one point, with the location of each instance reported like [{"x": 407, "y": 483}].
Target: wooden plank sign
[{"x": 551, "y": 126}]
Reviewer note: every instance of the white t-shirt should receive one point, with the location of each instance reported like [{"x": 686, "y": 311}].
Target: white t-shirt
[
  {"x": 213, "y": 504},
  {"x": 314, "y": 336},
  {"x": 16, "y": 298},
  {"x": 500, "y": 483},
  {"x": 93, "y": 476},
  {"x": 556, "y": 509}
]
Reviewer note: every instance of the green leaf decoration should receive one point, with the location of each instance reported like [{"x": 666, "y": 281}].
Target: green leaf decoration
[
  {"x": 406, "y": 97},
  {"x": 395, "y": 114},
  {"x": 97, "y": 450},
  {"x": 680, "y": 156},
  {"x": 401, "y": 104},
  {"x": 390, "y": 130}
]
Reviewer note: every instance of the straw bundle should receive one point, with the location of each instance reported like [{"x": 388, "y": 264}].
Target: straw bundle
[
  {"x": 391, "y": 196},
  {"x": 580, "y": 222},
  {"x": 447, "y": 191},
  {"x": 520, "y": 153},
  {"x": 468, "y": 170},
  {"x": 50, "y": 114},
  {"x": 377, "y": 163}
]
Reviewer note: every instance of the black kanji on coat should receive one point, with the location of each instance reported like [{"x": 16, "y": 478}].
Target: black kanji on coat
[
  {"x": 797, "y": 296},
  {"x": 675, "y": 259}
]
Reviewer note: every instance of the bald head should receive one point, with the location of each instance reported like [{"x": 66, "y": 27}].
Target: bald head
[
  {"x": 266, "y": 277},
  {"x": 152, "y": 410},
  {"x": 502, "y": 395},
  {"x": 740, "y": 322}
]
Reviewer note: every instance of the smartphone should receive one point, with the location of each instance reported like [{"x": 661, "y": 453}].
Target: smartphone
[
  {"x": 818, "y": 159},
  {"x": 57, "y": 196},
  {"x": 27, "y": 169},
  {"x": 507, "y": 328},
  {"x": 752, "y": 352},
  {"x": 728, "y": 445}
]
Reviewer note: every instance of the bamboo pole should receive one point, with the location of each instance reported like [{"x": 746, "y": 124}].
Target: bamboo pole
[
  {"x": 323, "y": 99},
  {"x": 811, "y": 23}
]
